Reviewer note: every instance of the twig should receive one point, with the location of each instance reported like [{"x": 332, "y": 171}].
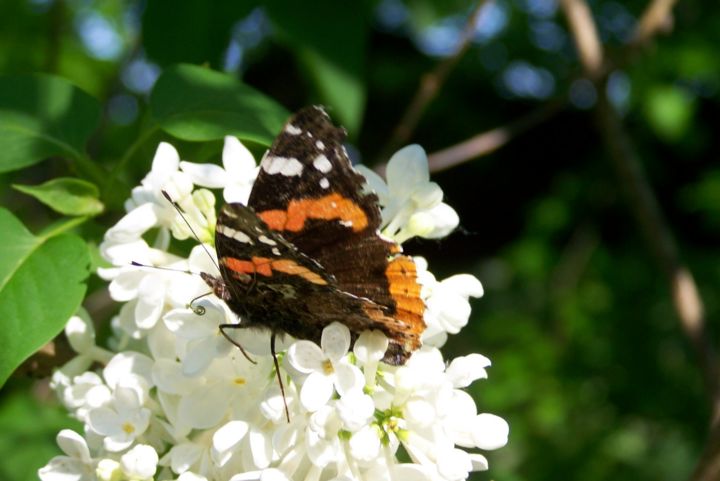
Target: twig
[
  {"x": 657, "y": 17},
  {"x": 430, "y": 85},
  {"x": 685, "y": 295},
  {"x": 491, "y": 140},
  {"x": 585, "y": 35}
]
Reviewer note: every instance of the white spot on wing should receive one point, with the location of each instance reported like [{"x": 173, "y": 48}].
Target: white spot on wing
[
  {"x": 322, "y": 164},
  {"x": 324, "y": 183},
  {"x": 346, "y": 223},
  {"x": 320, "y": 144},
  {"x": 287, "y": 166},
  {"x": 292, "y": 130},
  {"x": 234, "y": 234},
  {"x": 266, "y": 240},
  {"x": 276, "y": 251}
]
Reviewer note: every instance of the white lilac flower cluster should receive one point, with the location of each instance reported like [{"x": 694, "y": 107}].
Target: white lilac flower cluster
[{"x": 173, "y": 399}]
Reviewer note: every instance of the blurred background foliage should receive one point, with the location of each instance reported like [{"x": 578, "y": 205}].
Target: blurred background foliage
[{"x": 590, "y": 366}]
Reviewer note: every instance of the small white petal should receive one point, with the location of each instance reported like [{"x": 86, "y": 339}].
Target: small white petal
[
  {"x": 444, "y": 220},
  {"x": 184, "y": 455},
  {"x": 335, "y": 341},
  {"x": 462, "y": 371},
  {"x": 189, "y": 326},
  {"x": 316, "y": 391},
  {"x": 419, "y": 412},
  {"x": 73, "y": 445},
  {"x": 407, "y": 168},
  {"x": 479, "y": 462},
  {"x": 260, "y": 448},
  {"x": 375, "y": 182},
  {"x": 365, "y": 444},
  {"x": 140, "y": 462},
  {"x": 104, "y": 421},
  {"x": 371, "y": 346},
  {"x": 166, "y": 159},
  {"x": 348, "y": 378},
  {"x": 204, "y": 408},
  {"x": 229, "y": 435},
  {"x": 200, "y": 354},
  {"x": 306, "y": 357},
  {"x": 80, "y": 334},
  {"x": 355, "y": 410},
  {"x": 124, "y": 286},
  {"x": 206, "y": 175},
  {"x": 237, "y": 159},
  {"x": 490, "y": 431},
  {"x": 125, "y": 363},
  {"x": 454, "y": 464},
  {"x": 133, "y": 224}
]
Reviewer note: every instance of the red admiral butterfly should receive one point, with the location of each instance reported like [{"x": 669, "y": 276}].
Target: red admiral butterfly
[{"x": 307, "y": 251}]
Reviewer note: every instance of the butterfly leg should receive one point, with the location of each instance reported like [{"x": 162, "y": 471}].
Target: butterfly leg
[
  {"x": 279, "y": 377},
  {"x": 233, "y": 341}
]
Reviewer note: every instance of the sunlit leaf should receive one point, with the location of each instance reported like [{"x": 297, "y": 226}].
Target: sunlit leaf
[
  {"x": 66, "y": 195},
  {"x": 42, "y": 282},
  {"x": 42, "y": 116},
  {"x": 199, "y": 104}
]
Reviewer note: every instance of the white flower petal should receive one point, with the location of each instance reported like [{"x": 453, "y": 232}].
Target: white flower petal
[
  {"x": 479, "y": 462},
  {"x": 462, "y": 371},
  {"x": 444, "y": 220},
  {"x": 73, "y": 445},
  {"x": 348, "y": 378},
  {"x": 140, "y": 462},
  {"x": 375, "y": 182},
  {"x": 306, "y": 357},
  {"x": 365, "y": 444},
  {"x": 260, "y": 448},
  {"x": 490, "y": 431},
  {"x": 237, "y": 159},
  {"x": 316, "y": 391},
  {"x": 184, "y": 455},
  {"x": 205, "y": 407},
  {"x": 206, "y": 175},
  {"x": 335, "y": 341},
  {"x": 166, "y": 159},
  {"x": 226, "y": 439},
  {"x": 80, "y": 334},
  {"x": 128, "y": 362},
  {"x": 454, "y": 464},
  {"x": 371, "y": 346},
  {"x": 125, "y": 285},
  {"x": 407, "y": 168}
]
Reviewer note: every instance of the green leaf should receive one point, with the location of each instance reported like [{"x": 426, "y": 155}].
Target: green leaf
[
  {"x": 199, "y": 31},
  {"x": 66, "y": 195},
  {"x": 42, "y": 283},
  {"x": 669, "y": 110},
  {"x": 199, "y": 104},
  {"x": 331, "y": 47},
  {"x": 42, "y": 116}
]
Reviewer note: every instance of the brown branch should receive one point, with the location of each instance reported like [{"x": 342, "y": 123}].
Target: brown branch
[
  {"x": 491, "y": 140},
  {"x": 430, "y": 85},
  {"x": 655, "y": 229},
  {"x": 656, "y": 18},
  {"x": 587, "y": 40}
]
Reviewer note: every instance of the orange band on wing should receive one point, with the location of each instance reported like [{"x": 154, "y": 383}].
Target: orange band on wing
[
  {"x": 405, "y": 291},
  {"x": 330, "y": 207},
  {"x": 265, "y": 267},
  {"x": 260, "y": 265}
]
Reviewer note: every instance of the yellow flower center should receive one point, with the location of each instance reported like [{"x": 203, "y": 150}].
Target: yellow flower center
[
  {"x": 128, "y": 428},
  {"x": 240, "y": 381},
  {"x": 328, "y": 367}
]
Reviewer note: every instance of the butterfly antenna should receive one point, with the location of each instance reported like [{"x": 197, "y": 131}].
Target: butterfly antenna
[
  {"x": 183, "y": 271},
  {"x": 182, "y": 214},
  {"x": 279, "y": 377}
]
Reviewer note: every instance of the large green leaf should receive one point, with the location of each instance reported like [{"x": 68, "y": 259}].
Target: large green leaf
[
  {"x": 199, "y": 104},
  {"x": 66, "y": 195},
  {"x": 194, "y": 31},
  {"x": 330, "y": 41},
  {"x": 42, "y": 282},
  {"x": 42, "y": 116}
]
